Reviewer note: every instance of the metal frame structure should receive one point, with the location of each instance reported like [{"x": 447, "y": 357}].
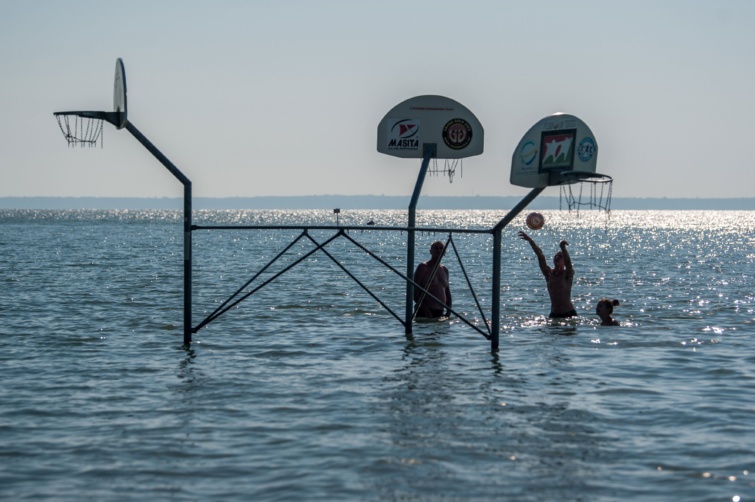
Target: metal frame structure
[{"x": 492, "y": 328}]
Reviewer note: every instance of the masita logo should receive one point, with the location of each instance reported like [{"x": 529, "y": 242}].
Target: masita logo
[{"x": 403, "y": 134}]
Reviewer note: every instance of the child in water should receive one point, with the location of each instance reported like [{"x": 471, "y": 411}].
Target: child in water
[{"x": 604, "y": 311}]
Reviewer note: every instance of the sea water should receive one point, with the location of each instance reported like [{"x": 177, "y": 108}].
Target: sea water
[{"x": 310, "y": 388}]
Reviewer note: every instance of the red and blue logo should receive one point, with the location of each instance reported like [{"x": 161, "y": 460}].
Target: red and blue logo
[{"x": 403, "y": 134}]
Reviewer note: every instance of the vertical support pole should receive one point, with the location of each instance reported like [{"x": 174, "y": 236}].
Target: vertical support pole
[
  {"x": 187, "y": 223},
  {"x": 497, "y": 231},
  {"x": 187, "y": 263},
  {"x": 428, "y": 152},
  {"x": 496, "y": 309}
]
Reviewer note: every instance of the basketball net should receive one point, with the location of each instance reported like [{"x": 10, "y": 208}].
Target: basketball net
[
  {"x": 448, "y": 169},
  {"x": 81, "y": 131},
  {"x": 593, "y": 193}
]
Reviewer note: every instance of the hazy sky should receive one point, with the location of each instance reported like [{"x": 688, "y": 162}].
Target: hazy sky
[{"x": 281, "y": 97}]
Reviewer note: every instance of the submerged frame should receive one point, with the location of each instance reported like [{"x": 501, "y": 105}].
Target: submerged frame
[{"x": 119, "y": 118}]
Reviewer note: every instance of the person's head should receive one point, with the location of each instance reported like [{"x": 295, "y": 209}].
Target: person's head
[
  {"x": 605, "y": 307},
  {"x": 558, "y": 260},
  {"x": 436, "y": 248}
]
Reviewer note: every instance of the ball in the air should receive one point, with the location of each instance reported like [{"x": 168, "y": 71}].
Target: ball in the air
[{"x": 535, "y": 221}]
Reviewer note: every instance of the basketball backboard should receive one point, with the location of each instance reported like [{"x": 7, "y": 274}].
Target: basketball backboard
[
  {"x": 120, "y": 105},
  {"x": 421, "y": 120},
  {"x": 559, "y": 143}
]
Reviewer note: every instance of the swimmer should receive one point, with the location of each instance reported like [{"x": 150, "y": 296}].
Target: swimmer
[
  {"x": 604, "y": 311},
  {"x": 433, "y": 276}
]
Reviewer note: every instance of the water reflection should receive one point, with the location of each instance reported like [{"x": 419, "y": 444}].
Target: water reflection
[
  {"x": 186, "y": 370},
  {"x": 448, "y": 413}
]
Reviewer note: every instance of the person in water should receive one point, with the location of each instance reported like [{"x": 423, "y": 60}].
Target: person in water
[
  {"x": 604, "y": 309},
  {"x": 559, "y": 279},
  {"x": 433, "y": 276}
]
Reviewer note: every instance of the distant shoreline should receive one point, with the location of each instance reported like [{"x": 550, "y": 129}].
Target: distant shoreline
[{"x": 359, "y": 202}]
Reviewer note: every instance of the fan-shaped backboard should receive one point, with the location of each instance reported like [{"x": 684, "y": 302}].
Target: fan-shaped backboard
[
  {"x": 556, "y": 144},
  {"x": 421, "y": 120}
]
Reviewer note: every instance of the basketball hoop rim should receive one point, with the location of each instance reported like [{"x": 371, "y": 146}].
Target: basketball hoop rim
[
  {"x": 570, "y": 177},
  {"x": 110, "y": 117}
]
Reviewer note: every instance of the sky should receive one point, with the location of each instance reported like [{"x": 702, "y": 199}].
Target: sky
[{"x": 283, "y": 97}]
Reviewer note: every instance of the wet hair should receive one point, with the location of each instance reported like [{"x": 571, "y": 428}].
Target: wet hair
[{"x": 610, "y": 304}]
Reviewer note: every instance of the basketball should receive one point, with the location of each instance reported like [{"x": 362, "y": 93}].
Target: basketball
[{"x": 535, "y": 221}]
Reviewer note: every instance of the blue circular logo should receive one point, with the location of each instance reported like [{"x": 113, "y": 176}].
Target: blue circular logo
[
  {"x": 528, "y": 152},
  {"x": 586, "y": 149}
]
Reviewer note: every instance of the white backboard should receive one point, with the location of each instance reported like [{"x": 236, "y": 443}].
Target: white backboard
[
  {"x": 429, "y": 119},
  {"x": 557, "y": 143},
  {"x": 119, "y": 94}
]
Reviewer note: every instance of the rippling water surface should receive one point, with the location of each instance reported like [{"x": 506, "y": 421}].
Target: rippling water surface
[{"x": 310, "y": 390}]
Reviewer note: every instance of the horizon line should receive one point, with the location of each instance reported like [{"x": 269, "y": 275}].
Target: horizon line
[{"x": 355, "y": 202}]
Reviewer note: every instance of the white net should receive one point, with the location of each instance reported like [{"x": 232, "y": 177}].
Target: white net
[
  {"x": 80, "y": 131},
  {"x": 589, "y": 192},
  {"x": 449, "y": 168}
]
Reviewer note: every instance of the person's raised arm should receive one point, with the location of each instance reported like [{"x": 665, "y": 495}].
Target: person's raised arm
[
  {"x": 567, "y": 259},
  {"x": 544, "y": 268}
]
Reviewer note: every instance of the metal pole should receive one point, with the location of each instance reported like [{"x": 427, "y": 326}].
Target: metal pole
[
  {"x": 428, "y": 153},
  {"x": 187, "y": 264},
  {"x": 496, "y": 313},
  {"x": 497, "y": 230},
  {"x": 187, "y": 223}
]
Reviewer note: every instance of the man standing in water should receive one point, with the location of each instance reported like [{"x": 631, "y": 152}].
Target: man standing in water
[
  {"x": 559, "y": 279},
  {"x": 433, "y": 276}
]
